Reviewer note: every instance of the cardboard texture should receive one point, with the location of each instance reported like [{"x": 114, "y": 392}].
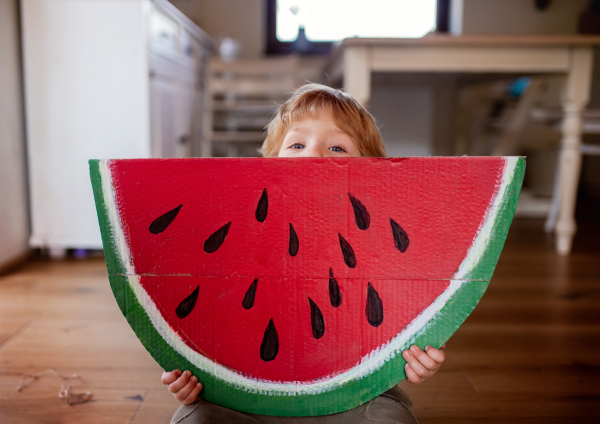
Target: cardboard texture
[{"x": 291, "y": 286}]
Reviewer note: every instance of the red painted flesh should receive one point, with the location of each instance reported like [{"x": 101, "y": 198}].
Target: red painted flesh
[
  {"x": 221, "y": 329},
  {"x": 427, "y": 198}
]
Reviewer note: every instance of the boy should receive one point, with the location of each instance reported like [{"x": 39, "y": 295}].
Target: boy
[{"x": 317, "y": 121}]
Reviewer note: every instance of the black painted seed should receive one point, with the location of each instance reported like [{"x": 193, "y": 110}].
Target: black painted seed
[
  {"x": 348, "y": 252},
  {"x": 316, "y": 320},
  {"x": 215, "y": 241},
  {"x": 401, "y": 240},
  {"x": 262, "y": 207},
  {"x": 161, "y": 223},
  {"x": 270, "y": 343},
  {"x": 361, "y": 214},
  {"x": 248, "y": 301},
  {"x": 374, "y": 307},
  {"x": 335, "y": 295},
  {"x": 294, "y": 244},
  {"x": 187, "y": 305}
]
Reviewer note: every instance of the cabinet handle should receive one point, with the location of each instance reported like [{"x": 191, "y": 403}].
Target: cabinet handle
[{"x": 184, "y": 139}]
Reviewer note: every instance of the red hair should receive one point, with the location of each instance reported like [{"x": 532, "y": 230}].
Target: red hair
[{"x": 311, "y": 100}]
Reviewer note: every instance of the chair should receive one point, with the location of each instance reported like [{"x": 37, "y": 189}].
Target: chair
[
  {"x": 242, "y": 97},
  {"x": 539, "y": 106},
  {"x": 590, "y": 125}
]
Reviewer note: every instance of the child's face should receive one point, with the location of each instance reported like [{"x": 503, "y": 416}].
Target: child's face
[{"x": 317, "y": 138}]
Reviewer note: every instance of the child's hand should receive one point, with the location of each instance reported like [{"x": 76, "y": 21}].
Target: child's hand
[
  {"x": 422, "y": 365},
  {"x": 184, "y": 386}
]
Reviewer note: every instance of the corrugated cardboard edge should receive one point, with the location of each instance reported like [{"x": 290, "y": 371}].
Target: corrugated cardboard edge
[{"x": 348, "y": 395}]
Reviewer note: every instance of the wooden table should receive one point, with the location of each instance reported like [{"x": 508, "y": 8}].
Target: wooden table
[{"x": 571, "y": 55}]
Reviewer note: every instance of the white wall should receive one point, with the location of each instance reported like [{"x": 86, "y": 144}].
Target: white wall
[
  {"x": 14, "y": 219},
  {"x": 243, "y": 20},
  {"x": 515, "y": 17},
  {"x": 403, "y": 114}
]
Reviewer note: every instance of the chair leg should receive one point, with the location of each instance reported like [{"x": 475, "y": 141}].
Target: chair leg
[{"x": 550, "y": 223}]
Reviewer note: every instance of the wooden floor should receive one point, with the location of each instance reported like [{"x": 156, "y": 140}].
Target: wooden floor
[{"x": 529, "y": 353}]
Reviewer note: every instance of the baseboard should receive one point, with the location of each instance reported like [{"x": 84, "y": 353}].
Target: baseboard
[{"x": 7, "y": 266}]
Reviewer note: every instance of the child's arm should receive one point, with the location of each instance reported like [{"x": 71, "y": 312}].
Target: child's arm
[
  {"x": 422, "y": 365},
  {"x": 184, "y": 386}
]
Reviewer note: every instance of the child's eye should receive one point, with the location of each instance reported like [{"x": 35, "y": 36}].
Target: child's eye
[
  {"x": 297, "y": 146},
  {"x": 337, "y": 149}
]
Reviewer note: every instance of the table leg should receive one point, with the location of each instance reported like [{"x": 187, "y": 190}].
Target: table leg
[
  {"x": 576, "y": 96},
  {"x": 357, "y": 74}
]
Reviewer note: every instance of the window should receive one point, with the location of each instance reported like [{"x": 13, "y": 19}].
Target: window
[{"x": 311, "y": 26}]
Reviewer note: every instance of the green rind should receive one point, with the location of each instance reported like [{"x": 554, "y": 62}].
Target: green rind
[
  {"x": 114, "y": 264},
  {"x": 510, "y": 198},
  {"x": 436, "y": 332}
]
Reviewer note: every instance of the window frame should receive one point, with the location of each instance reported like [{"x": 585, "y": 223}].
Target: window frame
[{"x": 316, "y": 48}]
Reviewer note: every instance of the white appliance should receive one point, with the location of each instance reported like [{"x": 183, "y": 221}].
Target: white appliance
[{"x": 103, "y": 79}]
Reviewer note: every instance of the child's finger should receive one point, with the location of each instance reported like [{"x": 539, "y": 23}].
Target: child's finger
[
  {"x": 411, "y": 375},
  {"x": 170, "y": 377},
  {"x": 180, "y": 382},
  {"x": 185, "y": 391},
  {"x": 193, "y": 396},
  {"x": 424, "y": 358},
  {"x": 438, "y": 355},
  {"x": 415, "y": 364}
]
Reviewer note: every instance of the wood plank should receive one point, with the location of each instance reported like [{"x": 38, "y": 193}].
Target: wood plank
[
  {"x": 99, "y": 371},
  {"x": 56, "y": 307},
  {"x": 13, "y": 284},
  {"x": 459, "y": 407},
  {"x": 42, "y": 405},
  {"x": 74, "y": 335},
  {"x": 158, "y": 406},
  {"x": 10, "y": 328}
]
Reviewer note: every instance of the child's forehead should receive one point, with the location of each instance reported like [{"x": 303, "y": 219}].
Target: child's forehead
[
  {"x": 323, "y": 121},
  {"x": 318, "y": 124},
  {"x": 319, "y": 111},
  {"x": 313, "y": 110}
]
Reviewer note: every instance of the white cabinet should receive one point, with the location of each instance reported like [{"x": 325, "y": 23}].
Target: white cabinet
[{"x": 103, "y": 79}]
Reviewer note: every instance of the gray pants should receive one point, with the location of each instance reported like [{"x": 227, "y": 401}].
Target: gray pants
[{"x": 390, "y": 407}]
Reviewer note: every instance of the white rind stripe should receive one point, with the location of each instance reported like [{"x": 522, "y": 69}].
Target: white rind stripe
[
  {"x": 368, "y": 364},
  {"x": 484, "y": 234},
  {"x": 117, "y": 234}
]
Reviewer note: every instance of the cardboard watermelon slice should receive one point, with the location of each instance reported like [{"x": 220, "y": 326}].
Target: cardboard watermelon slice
[{"x": 291, "y": 286}]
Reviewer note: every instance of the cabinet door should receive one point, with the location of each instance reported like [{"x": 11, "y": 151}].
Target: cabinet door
[
  {"x": 186, "y": 111},
  {"x": 176, "y": 61},
  {"x": 163, "y": 100}
]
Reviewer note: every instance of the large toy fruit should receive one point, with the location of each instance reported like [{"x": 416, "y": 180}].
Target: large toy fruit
[{"x": 291, "y": 286}]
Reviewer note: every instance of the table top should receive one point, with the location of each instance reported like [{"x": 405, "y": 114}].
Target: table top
[
  {"x": 489, "y": 40},
  {"x": 550, "y": 41}
]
